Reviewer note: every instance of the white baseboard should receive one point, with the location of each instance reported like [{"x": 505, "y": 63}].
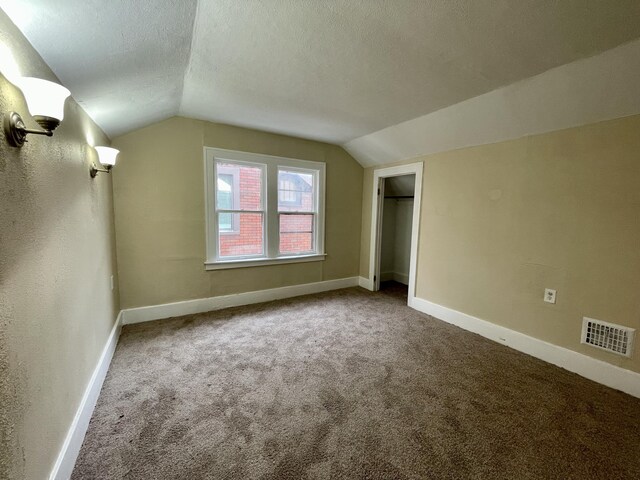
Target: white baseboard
[
  {"x": 365, "y": 283},
  {"x": 386, "y": 276},
  {"x": 401, "y": 278},
  {"x": 201, "y": 305},
  {"x": 585, "y": 366},
  {"x": 66, "y": 460}
]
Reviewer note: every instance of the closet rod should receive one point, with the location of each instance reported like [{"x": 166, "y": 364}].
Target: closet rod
[{"x": 398, "y": 196}]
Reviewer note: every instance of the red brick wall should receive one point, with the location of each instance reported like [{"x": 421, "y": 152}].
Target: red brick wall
[{"x": 292, "y": 233}]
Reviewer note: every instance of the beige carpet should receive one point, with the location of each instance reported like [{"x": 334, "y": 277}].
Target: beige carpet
[{"x": 347, "y": 385}]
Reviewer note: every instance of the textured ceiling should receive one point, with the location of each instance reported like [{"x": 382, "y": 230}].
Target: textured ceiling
[
  {"x": 123, "y": 60},
  {"x": 331, "y": 70},
  {"x": 594, "y": 89}
]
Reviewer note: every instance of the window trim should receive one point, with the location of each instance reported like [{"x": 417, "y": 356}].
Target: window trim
[
  {"x": 271, "y": 165},
  {"x": 258, "y": 262}
]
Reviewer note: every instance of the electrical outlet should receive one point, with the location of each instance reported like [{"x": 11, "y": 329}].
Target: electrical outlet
[
  {"x": 549, "y": 295},
  {"x": 111, "y": 282}
]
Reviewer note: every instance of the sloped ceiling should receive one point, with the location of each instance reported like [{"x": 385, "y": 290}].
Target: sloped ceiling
[
  {"x": 123, "y": 60},
  {"x": 330, "y": 70},
  {"x": 586, "y": 91}
]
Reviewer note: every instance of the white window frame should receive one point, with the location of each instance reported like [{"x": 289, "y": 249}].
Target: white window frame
[{"x": 271, "y": 232}]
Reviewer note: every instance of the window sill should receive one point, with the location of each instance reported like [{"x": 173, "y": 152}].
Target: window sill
[{"x": 259, "y": 262}]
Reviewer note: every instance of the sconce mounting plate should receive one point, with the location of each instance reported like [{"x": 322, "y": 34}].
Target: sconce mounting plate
[
  {"x": 93, "y": 171},
  {"x": 16, "y": 132},
  {"x": 14, "y": 129}
]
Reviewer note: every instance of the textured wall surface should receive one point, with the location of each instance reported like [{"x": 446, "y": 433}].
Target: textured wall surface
[
  {"x": 388, "y": 238},
  {"x": 395, "y": 251},
  {"x": 160, "y": 219},
  {"x": 502, "y": 222},
  {"x": 57, "y": 253},
  {"x": 402, "y": 240}
]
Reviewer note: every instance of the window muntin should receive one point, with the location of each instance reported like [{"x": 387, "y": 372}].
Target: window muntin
[{"x": 286, "y": 211}]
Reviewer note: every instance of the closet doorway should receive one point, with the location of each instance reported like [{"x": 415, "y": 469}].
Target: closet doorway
[
  {"x": 394, "y": 228},
  {"x": 395, "y": 238}
]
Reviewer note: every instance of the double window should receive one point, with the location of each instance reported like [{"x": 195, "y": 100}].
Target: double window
[{"x": 262, "y": 209}]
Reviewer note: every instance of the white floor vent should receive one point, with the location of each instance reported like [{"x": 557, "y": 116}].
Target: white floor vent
[{"x": 607, "y": 336}]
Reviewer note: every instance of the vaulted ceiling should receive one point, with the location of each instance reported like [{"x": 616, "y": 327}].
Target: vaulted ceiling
[{"x": 331, "y": 70}]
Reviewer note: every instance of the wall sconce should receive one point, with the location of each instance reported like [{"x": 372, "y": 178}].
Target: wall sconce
[
  {"x": 107, "y": 157},
  {"x": 45, "y": 101}
]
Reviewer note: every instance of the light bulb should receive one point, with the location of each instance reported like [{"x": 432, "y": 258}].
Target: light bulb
[
  {"x": 44, "y": 98},
  {"x": 107, "y": 155}
]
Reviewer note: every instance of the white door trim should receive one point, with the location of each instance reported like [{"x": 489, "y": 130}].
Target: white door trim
[{"x": 376, "y": 224}]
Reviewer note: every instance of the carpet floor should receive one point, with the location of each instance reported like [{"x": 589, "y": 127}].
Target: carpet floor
[{"x": 346, "y": 385}]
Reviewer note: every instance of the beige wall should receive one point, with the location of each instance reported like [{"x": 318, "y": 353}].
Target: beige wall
[
  {"x": 160, "y": 219},
  {"x": 501, "y": 222},
  {"x": 57, "y": 253}
]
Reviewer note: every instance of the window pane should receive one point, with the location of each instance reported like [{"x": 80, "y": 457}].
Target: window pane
[
  {"x": 225, "y": 201},
  {"x": 296, "y": 233},
  {"x": 226, "y": 222},
  {"x": 240, "y": 185},
  {"x": 224, "y": 190},
  {"x": 295, "y": 191},
  {"x": 246, "y": 239}
]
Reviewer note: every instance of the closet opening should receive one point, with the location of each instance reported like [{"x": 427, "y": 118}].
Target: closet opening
[
  {"x": 396, "y": 227},
  {"x": 395, "y": 224}
]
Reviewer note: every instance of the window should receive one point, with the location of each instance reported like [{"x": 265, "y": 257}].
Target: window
[
  {"x": 296, "y": 211},
  {"x": 239, "y": 207},
  {"x": 262, "y": 209}
]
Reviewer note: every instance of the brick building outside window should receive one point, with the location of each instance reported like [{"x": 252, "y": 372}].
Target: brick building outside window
[{"x": 253, "y": 220}]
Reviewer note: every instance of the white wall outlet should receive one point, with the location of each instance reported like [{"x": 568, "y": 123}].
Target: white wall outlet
[
  {"x": 111, "y": 282},
  {"x": 549, "y": 295}
]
